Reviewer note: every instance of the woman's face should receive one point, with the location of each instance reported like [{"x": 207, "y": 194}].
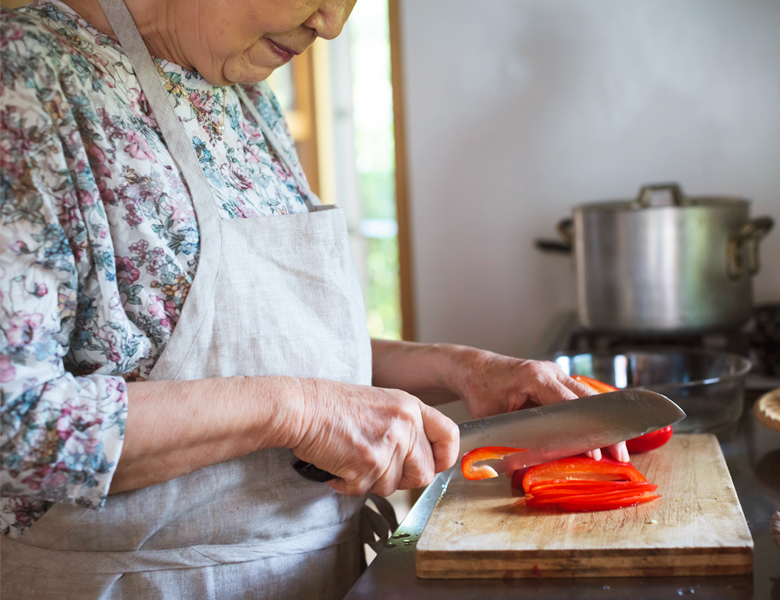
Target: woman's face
[{"x": 243, "y": 41}]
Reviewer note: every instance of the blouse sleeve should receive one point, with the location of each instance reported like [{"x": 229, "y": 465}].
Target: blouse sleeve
[{"x": 61, "y": 434}]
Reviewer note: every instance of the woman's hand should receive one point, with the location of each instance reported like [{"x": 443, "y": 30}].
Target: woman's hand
[
  {"x": 374, "y": 439},
  {"x": 488, "y": 383},
  {"x": 491, "y": 384}
]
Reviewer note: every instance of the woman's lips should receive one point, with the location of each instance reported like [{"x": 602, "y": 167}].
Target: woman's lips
[{"x": 282, "y": 52}]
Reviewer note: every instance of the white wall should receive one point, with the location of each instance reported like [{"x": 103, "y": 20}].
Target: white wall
[{"x": 518, "y": 110}]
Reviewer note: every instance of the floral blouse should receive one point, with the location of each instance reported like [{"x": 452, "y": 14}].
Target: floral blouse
[{"x": 99, "y": 241}]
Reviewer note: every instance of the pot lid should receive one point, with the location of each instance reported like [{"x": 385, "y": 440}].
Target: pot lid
[{"x": 667, "y": 195}]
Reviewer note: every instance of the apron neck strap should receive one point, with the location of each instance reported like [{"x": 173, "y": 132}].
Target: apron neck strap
[{"x": 274, "y": 141}]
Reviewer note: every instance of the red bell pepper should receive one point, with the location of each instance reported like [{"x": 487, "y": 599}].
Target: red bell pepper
[
  {"x": 580, "y": 484},
  {"x": 643, "y": 443},
  {"x": 594, "y": 384},
  {"x": 649, "y": 441},
  {"x": 574, "y": 484},
  {"x": 584, "y": 486},
  {"x": 585, "y": 503},
  {"x": 475, "y": 473},
  {"x": 581, "y": 468},
  {"x": 555, "y": 493}
]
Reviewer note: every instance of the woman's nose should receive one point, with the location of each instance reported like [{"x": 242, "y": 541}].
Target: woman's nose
[{"x": 329, "y": 18}]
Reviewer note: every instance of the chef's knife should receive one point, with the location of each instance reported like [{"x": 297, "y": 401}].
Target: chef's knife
[{"x": 558, "y": 430}]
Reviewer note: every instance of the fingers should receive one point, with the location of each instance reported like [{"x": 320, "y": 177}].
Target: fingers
[
  {"x": 619, "y": 452},
  {"x": 594, "y": 454},
  {"x": 575, "y": 386},
  {"x": 553, "y": 385}
]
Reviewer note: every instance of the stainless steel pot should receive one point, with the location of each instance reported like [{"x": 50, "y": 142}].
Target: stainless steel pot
[{"x": 682, "y": 265}]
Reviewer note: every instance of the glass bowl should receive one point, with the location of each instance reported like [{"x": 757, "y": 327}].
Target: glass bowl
[{"x": 708, "y": 385}]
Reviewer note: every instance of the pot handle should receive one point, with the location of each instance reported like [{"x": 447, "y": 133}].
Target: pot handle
[
  {"x": 565, "y": 229},
  {"x": 646, "y": 192},
  {"x": 742, "y": 250}
]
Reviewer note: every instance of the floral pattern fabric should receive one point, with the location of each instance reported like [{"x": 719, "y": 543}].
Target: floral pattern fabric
[{"x": 99, "y": 241}]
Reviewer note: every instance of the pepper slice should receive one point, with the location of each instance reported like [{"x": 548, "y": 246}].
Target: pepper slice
[
  {"x": 584, "y": 486},
  {"x": 649, "y": 441},
  {"x": 585, "y": 504},
  {"x": 594, "y": 384},
  {"x": 552, "y": 495},
  {"x": 581, "y": 468},
  {"x": 583, "y": 495},
  {"x": 473, "y": 472}
]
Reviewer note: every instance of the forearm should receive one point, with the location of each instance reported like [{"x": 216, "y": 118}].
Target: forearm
[
  {"x": 175, "y": 427},
  {"x": 432, "y": 372}
]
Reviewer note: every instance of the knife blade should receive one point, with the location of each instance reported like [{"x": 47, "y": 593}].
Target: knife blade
[
  {"x": 558, "y": 430},
  {"x": 571, "y": 427}
]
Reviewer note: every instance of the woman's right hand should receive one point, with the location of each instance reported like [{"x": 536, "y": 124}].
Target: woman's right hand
[{"x": 373, "y": 439}]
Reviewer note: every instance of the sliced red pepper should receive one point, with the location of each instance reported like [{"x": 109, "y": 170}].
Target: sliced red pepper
[
  {"x": 581, "y": 486},
  {"x": 649, "y": 441},
  {"x": 594, "y": 384},
  {"x": 581, "y": 468},
  {"x": 597, "y": 504},
  {"x": 643, "y": 443},
  {"x": 590, "y": 495},
  {"x": 475, "y": 473},
  {"x": 552, "y": 496}
]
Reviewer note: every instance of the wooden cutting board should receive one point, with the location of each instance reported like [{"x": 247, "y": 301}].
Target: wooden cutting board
[{"x": 479, "y": 530}]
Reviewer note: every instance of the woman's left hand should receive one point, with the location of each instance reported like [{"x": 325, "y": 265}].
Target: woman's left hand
[
  {"x": 490, "y": 383},
  {"x": 486, "y": 382}
]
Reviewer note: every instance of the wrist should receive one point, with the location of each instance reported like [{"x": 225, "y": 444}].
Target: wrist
[
  {"x": 279, "y": 414},
  {"x": 458, "y": 364}
]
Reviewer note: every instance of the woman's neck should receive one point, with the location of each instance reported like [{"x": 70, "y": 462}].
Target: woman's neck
[
  {"x": 148, "y": 15},
  {"x": 92, "y": 13}
]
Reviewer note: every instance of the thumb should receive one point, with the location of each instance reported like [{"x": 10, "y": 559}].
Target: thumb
[{"x": 443, "y": 435}]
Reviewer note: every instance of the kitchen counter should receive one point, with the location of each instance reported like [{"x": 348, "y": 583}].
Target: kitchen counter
[{"x": 753, "y": 456}]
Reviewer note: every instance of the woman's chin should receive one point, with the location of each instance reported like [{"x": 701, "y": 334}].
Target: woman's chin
[{"x": 244, "y": 76}]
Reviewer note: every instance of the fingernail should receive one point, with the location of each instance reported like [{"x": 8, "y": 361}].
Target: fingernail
[
  {"x": 624, "y": 457},
  {"x": 597, "y": 454}
]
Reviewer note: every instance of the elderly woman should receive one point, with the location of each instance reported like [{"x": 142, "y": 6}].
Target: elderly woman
[{"x": 181, "y": 318}]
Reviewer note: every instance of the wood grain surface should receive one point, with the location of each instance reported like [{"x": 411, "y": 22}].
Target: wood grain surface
[{"x": 480, "y": 530}]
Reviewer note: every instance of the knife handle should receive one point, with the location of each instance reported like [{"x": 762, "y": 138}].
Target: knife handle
[{"x": 312, "y": 473}]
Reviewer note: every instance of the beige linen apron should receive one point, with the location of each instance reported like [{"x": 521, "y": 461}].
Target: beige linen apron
[{"x": 272, "y": 296}]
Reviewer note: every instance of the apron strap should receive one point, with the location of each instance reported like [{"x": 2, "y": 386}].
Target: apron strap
[
  {"x": 179, "y": 144},
  {"x": 276, "y": 143}
]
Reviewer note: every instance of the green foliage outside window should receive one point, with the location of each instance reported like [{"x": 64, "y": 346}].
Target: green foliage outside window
[{"x": 375, "y": 157}]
